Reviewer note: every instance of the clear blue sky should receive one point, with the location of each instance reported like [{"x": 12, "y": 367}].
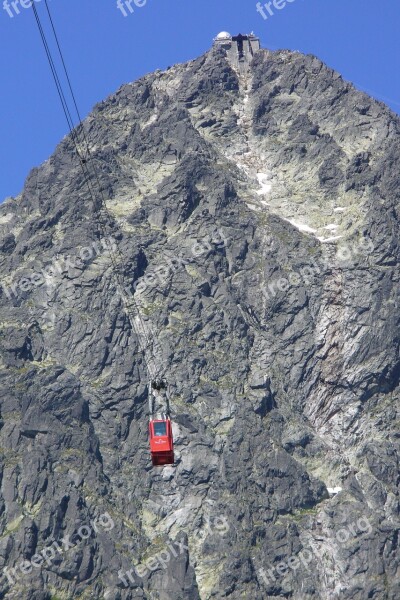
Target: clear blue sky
[{"x": 104, "y": 49}]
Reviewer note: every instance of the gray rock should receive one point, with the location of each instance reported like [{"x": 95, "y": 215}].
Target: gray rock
[{"x": 259, "y": 214}]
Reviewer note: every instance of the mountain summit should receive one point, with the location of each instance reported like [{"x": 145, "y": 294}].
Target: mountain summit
[{"x": 253, "y": 199}]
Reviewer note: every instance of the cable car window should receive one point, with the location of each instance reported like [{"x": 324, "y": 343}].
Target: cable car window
[{"x": 160, "y": 429}]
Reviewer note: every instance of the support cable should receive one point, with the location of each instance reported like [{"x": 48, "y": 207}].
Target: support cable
[{"x": 147, "y": 342}]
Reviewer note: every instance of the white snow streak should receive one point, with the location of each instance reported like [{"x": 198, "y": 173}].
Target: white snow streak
[
  {"x": 331, "y": 239},
  {"x": 331, "y": 227},
  {"x": 265, "y": 184},
  {"x": 301, "y": 226}
]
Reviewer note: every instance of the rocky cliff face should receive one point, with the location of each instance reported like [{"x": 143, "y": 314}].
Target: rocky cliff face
[{"x": 257, "y": 216}]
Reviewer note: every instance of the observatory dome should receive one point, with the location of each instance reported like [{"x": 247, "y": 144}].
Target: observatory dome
[{"x": 224, "y": 35}]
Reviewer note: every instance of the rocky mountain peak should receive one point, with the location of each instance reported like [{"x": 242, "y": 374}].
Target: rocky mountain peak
[{"x": 251, "y": 199}]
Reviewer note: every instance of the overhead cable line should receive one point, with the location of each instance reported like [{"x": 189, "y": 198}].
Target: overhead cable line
[{"x": 104, "y": 215}]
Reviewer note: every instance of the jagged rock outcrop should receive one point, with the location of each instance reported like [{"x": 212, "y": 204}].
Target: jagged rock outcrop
[{"x": 257, "y": 217}]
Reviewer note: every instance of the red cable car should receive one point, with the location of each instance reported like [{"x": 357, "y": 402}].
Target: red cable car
[{"x": 161, "y": 442}]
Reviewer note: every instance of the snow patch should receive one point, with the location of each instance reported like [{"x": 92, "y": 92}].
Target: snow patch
[
  {"x": 265, "y": 189},
  {"x": 263, "y": 177},
  {"x": 331, "y": 239},
  {"x": 301, "y": 226},
  {"x": 152, "y": 120},
  {"x": 334, "y": 491},
  {"x": 331, "y": 227},
  {"x": 253, "y": 207},
  {"x": 265, "y": 184},
  {"x": 339, "y": 209}
]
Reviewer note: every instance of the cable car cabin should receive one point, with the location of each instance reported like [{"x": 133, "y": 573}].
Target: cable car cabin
[{"x": 161, "y": 442}]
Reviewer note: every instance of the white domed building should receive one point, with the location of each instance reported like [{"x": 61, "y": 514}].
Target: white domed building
[
  {"x": 223, "y": 39},
  {"x": 224, "y": 35}
]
